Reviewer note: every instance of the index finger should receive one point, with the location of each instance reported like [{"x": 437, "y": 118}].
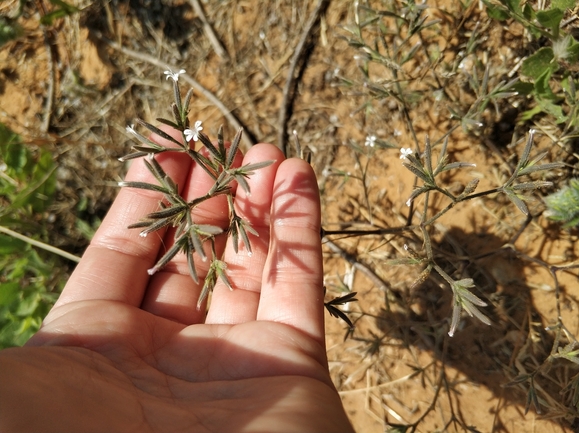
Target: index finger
[{"x": 114, "y": 265}]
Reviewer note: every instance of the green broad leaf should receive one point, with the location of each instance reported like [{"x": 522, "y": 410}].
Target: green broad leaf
[
  {"x": 513, "y": 5},
  {"x": 496, "y": 12},
  {"x": 16, "y": 158},
  {"x": 554, "y": 110},
  {"x": 523, "y": 88},
  {"x": 9, "y": 292},
  {"x": 28, "y": 327},
  {"x": 40, "y": 188},
  {"x": 550, "y": 19},
  {"x": 563, "y": 4},
  {"x": 543, "y": 88},
  {"x": 10, "y": 245},
  {"x": 529, "y": 114},
  {"x": 28, "y": 305},
  {"x": 539, "y": 64},
  {"x": 528, "y": 13},
  {"x": 573, "y": 51}
]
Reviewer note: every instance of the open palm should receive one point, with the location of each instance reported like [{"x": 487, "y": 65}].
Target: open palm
[{"x": 124, "y": 351}]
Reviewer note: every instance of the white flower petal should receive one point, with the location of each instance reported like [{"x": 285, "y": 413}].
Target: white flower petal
[
  {"x": 370, "y": 141},
  {"x": 189, "y": 134},
  {"x": 173, "y": 75},
  {"x": 404, "y": 152}
]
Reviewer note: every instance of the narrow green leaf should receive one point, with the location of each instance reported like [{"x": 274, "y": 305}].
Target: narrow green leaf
[
  {"x": 233, "y": 149},
  {"x": 166, "y": 258},
  {"x": 532, "y": 185},
  {"x": 143, "y": 185},
  {"x": 517, "y": 201},
  {"x": 208, "y": 285},
  {"x": 417, "y": 192},
  {"x": 524, "y": 160},
  {"x": 250, "y": 168},
  {"x": 191, "y": 262},
  {"x": 177, "y": 95},
  {"x": 156, "y": 170},
  {"x": 154, "y": 226},
  {"x": 212, "y": 149},
  {"x": 220, "y": 141},
  {"x": 169, "y": 212},
  {"x": 428, "y": 157},
  {"x": 245, "y": 238},
  {"x": 208, "y": 230},
  {"x": 159, "y": 132},
  {"x": 168, "y": 122},
  {"x": 133, "y": 155},
  {"x": 187, "y": 102},
  {"x": 455, "y": 165},
  {"x": 418, "y": 173},
  {"x": 197, "y": 243},
  {"x": 243, "y": 183}
]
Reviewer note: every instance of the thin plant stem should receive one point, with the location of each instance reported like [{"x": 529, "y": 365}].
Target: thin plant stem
[{"x": 39, "y": 244}]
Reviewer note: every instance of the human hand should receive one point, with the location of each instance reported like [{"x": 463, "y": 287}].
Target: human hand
[{"x": 125, "y": 351}]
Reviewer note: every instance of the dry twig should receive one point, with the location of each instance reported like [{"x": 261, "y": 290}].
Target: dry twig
[
  {"x": 209, "y": 32},
  {"x": 48, "y": 105},
  {"x": 288, "y": 91},
  {"x": 248, "y": 137}
]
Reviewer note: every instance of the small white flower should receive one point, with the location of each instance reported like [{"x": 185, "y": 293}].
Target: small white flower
[
  {"x": 173, "y": 75},
  {"x": 193, "y": 133},
  {"x": 370, "y": 141},
  {"x": 405, "y": 152}
]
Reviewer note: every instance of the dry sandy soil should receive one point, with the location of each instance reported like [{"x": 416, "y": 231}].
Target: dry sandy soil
[{"x": 104, "y": 68}]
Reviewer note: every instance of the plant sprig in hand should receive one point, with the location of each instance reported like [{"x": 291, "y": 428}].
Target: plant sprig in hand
[{"x": 174, "y": 210}]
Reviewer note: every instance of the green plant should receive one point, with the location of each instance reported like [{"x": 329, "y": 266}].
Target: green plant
[
  {"x": 29, "y": 283},
  {"x": 61, "y": 10},
  {"x": 9, "y": 30},
  {"x": 394, "y": 59},
  {"x": 421, "y": 162},
  {"x": 547, "y": 71},
  {"x": 563, "y": 205}
]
